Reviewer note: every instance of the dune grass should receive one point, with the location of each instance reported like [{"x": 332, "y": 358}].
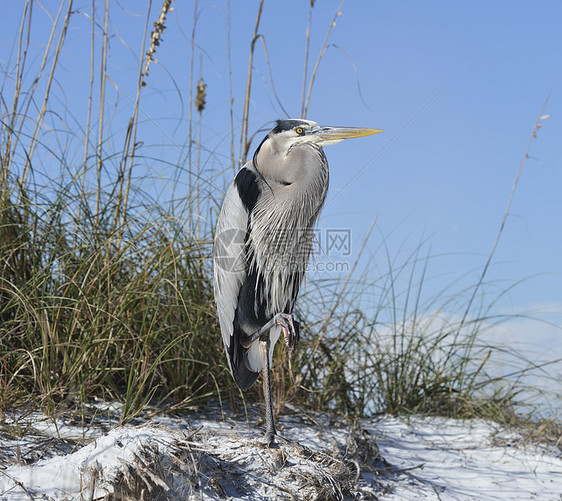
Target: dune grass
[
  {"x": 118, "y": 312},
  {"x": 105, "y": 290}
]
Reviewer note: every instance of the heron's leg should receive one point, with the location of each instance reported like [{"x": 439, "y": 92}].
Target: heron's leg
[
  {"x": 291, "y": 331},
  {"x": 266, "y": 375}
]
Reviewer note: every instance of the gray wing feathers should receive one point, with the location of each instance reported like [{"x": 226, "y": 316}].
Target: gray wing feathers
[{"x": 229, "y": 262}]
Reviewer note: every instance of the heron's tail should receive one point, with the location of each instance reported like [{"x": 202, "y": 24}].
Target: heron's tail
[{"x": 242, "y": 374}]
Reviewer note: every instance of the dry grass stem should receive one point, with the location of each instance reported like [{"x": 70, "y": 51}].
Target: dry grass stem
[
  {"x": 42, "y": 111},
  {"x": 244, "y": 143},
  {"x": 103, "y": 78},
  {"x": 319, "y": 58},
  {"x": 478, "y": 285},
  {"x": 306, "y": 53}
]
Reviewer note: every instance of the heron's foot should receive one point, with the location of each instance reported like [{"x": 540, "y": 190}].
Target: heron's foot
[
  {"x": 269, "y": 438},
  {"x": 276, "y": 441},
  {"x": 291, "y": 330}
]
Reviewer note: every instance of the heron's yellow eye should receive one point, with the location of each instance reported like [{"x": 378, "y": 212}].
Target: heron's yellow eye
[{"x": 299, "y": 130}]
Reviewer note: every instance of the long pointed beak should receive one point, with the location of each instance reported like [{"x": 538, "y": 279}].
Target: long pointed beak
[{"x": 330, "y": 135}]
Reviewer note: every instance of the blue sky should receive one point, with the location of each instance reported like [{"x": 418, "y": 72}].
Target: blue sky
[
  {"x": 472, "y": 79},
  {"x": 457, "y": 87}
]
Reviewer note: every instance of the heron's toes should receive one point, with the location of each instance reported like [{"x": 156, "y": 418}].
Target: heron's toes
[
  {"x": 269, "y": 439},
  {"x": 296, "y": 336},
  {"x": 291, "y": 331}
]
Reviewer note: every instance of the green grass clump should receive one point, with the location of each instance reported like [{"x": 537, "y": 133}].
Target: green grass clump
[
  {"x": 89, "y": 308},
  {"x": 402, "y": 358}
]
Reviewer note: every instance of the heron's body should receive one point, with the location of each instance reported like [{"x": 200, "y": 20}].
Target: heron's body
[{"x": 263, "y": 244}]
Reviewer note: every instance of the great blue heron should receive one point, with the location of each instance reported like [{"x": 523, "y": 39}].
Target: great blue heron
[{"x": 263, "y": 243}]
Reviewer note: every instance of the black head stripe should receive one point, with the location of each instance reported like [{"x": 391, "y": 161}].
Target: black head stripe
[{"x": 283, "y": 125}]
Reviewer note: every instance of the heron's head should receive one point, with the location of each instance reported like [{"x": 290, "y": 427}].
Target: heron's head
[
  {"x": 280, "y": 157},
  {"x": 298, "y": 131}
]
